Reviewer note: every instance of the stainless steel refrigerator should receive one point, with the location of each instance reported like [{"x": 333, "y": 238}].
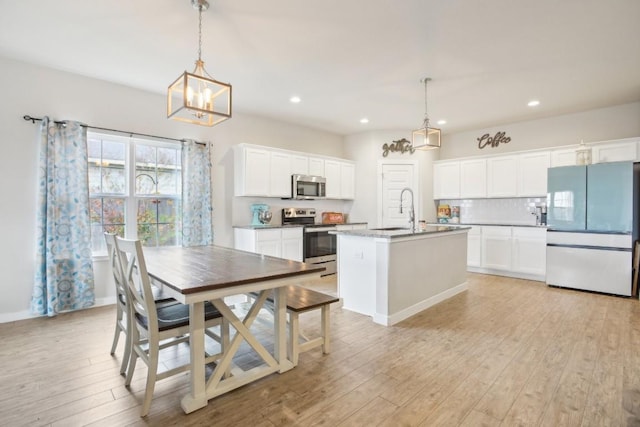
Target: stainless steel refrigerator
[{"x": 592, "y": 220}]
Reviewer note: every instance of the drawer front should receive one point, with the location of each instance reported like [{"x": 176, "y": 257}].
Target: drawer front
[
  {"x": 590, "y": 239},
  {"x": 292, "y": 233},
  {"x": 262, "y": 235}
]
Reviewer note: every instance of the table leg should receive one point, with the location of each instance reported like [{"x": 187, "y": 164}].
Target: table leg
[
  {"x": 197, "y": 397},
  {"x": 280, "y": 324}
]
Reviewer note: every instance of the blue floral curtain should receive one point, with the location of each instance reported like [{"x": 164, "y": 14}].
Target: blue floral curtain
[
  {"x": 64, "y": 270},
  {"x": 197, "y": 229}
]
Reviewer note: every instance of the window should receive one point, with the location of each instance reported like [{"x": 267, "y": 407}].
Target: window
[{"x": 134, "y": 189}]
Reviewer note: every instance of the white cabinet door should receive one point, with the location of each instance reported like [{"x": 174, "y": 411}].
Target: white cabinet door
[
  {"x": 566, "y": 157},
  {"x": 277, "y": 242},
  {"x": 292, "y": 244},
  {"x": 474, "y": 247},
  {"x": 280, "y": 175},
  {"x": 446, "y": 180},
  {"x": 347, "y": 181},
  {"x": 529, "y": 250},
  {"x": 316, "y": 166},
  {"x": 473, "y": 178},
  {"x": 269, "y": 247},
  {"x": 502, "y": 176},
  {"x": 496, "y": 248},
  {"x": 332, "y": 174},
  {"x": 255, "y": 174},
  {"x": 299, "y": 165},
  {"x": 532, "y": 174},
  {"x": 617, "y": 152}
]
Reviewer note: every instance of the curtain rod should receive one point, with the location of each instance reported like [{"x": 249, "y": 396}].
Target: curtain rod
[{"x": 39, "y": 119}]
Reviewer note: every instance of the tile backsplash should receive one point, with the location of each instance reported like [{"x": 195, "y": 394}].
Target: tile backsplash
[{"x": 515, "y": 211}]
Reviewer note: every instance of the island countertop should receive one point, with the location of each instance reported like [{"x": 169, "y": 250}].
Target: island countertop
[{"x": 397, "y": 232}]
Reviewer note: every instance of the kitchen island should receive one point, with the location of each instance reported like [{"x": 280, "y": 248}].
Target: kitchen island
[{"x": 392, "y": 274}]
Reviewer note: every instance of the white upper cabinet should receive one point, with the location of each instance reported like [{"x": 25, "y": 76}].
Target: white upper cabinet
[
  {"x": 446, "y": 180},
  {"x": 616, "y": 152},
  {"x": 532, "y": 174},
  {"x": 252, "y": 171},
  {"x": 565, "y": 157},
  {"x": 299, "y": 164},
  {"x": 502, "y": 176},
  {"x": 347, "y": 181},
  {"x": 340, "y": 178},
  {"x": 332, "y": 174},
  {"x": 266, "y": 172},
  {"x": 316, "y": 166},
  {"x": 473, "y": 178},
  {"x": 280, "y": 175}
]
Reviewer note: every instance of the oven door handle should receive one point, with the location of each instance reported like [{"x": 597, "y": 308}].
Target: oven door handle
[{"x": 319, "y": 229}]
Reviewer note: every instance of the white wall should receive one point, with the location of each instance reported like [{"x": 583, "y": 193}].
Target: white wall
[
  {"x": 38, "y": 91},
  {"x": 366, "y": 150},
  {"x": 622, "y": 121}
]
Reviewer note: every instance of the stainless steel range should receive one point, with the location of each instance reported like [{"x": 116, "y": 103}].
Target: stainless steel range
[{"x": 319, "y": 246}]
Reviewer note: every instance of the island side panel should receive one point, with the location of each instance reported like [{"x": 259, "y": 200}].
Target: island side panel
[
  {"x": 357, "y": 273},
  {"x": 422, "y": 273}
]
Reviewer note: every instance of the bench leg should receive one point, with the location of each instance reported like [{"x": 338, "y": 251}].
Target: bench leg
[
  {"x": 294, "y": 333},
  {"x": 324, "y": 329}
]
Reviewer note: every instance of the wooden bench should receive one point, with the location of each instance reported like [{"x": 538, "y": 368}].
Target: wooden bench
[{"x": 301, "y": 300}]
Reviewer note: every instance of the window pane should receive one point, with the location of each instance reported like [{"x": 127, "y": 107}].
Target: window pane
[
  {"x": 168, "y": 181},
  {"x": 168, "y": 158},
  {"x": 145, "y": 182},
  {"x": 147, "y": 211},
  {"x": 167, "y": 235},
  {"x": 95, "y": 211},
  {"x": 94, "y": 147},
  {"x": 107, "y": 214},
  {"x": 113, "y": 211},
  {"x": 113, "y": 152},
  {"x": 145, "y": 155},
  {"x": 147, "y": 234},
  {"x": 113, "y": 179}
]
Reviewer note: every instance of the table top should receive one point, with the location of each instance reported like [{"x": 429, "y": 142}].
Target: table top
[{"x": 205, "y": 268}]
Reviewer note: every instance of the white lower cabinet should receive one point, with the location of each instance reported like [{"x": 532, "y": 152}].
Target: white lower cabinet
[
  {"x": 508, "y": 251},
  {"x": 496, "y": 248},
  {"x": 277, "y": 242},
  {"x": 529, "y": 250},
  {"x": 474, "y": 247}
]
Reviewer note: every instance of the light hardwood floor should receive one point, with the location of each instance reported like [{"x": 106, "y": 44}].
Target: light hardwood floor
[{"x": 506, "y": 352}]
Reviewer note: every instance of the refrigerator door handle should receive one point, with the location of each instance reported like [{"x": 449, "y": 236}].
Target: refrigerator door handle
[{"x": 601, "y": 248}]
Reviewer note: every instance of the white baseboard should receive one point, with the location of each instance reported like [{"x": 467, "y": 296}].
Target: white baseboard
[
  {"x": 27, "y": 314},
  {"x": 525, "y": 276},
  {"x": 417, "y": 308}
]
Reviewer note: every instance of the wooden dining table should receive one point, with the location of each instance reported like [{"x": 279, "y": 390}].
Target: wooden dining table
[{"x": 197, "y": 274}]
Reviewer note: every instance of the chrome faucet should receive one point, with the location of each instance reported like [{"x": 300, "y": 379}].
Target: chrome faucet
[{"x": 412, "y": 214}]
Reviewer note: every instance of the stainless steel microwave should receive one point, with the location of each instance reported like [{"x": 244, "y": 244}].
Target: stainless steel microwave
[{"x": 308, "y": 187}]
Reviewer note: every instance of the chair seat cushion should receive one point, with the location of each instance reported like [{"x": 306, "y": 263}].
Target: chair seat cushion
[{"x": 176, "y": 315}]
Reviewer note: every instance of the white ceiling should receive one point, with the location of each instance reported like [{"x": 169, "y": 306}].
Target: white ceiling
[{"x": 349, "y": 59}]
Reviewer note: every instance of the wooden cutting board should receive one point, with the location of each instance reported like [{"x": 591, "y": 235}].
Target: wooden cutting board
[{"x": 332, "y": 218}]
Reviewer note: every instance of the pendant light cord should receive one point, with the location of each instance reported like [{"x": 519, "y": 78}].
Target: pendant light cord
[
  {"x": 200, "y": 33},
  {"x": 426, "y": 115}
]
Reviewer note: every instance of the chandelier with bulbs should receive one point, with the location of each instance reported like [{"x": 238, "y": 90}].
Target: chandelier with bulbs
[{"x": 197, "y": 97}]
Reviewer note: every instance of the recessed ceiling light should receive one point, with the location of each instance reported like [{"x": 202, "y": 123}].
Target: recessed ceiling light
[
  {"x": 295, "y": 99},
  {"x": 533, "y": 103},
  {"x": 442, "y": 122},
  {"x": 364, "y": 120}
]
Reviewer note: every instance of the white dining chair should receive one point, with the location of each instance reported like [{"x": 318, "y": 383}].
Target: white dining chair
[
  {"x": 122, "y": 319},
  {"x": 122, "y": 326},
  {"x": 154, "y": 327}
]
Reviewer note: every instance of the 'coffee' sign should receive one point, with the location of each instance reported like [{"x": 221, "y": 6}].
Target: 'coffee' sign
[{"x": 487, "y": 141}]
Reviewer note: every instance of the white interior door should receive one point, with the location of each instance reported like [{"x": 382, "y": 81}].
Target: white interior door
[{"x": 395, "y": 177}]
